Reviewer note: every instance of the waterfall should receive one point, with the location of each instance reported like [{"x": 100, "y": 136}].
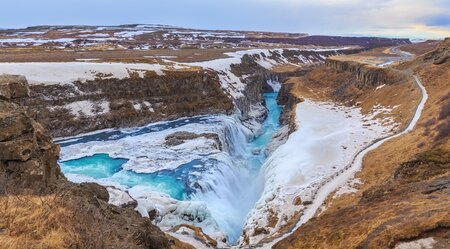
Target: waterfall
[
  {"x": 229, "y": 188},
  {"x": 232, "y": 187},
  {"x": 274, "y": 83}
]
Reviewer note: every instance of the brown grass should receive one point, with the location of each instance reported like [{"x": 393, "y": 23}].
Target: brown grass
[
  {"x": 142, "y": 56},
  {"x": 71, "y": 216},
  {"x": 326, "y": 85},
  {"x": 36, "y": 222},
  {"x": 420, "y": 48}
]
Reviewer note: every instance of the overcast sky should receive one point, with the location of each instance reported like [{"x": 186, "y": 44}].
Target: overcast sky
[{"x": 392, "y": 18}]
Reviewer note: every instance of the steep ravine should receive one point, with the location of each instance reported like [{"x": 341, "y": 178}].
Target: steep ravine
[
  {"x": 213, "y": 189},
  {"x": 403, "y": 201}
]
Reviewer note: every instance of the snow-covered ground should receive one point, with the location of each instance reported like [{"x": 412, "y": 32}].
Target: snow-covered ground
[
  {"x": 266, "y": 58},
  {"x": 87, "y": 107},
  {"x": 68, "y": 72},
  {"x": 326, "y": 141},
  {"x": 147, "y": 153},
  {"x": 425, "y": 243}
]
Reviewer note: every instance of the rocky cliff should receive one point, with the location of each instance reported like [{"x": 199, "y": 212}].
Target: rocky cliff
[
  {"x": 441, "y": 54},
  {"x": 366, "y": 75},
  {"x": 69, "y": 109},
  {"x": 39, "y": 208},
  {"x": 25, "y": 148},
  {"x": 87, "y": 100}
]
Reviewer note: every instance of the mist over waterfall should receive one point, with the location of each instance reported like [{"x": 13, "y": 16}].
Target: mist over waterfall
[{"x": 231, "y": 189}]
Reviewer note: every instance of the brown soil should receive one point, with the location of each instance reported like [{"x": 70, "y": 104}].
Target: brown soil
[{"x": 141, "y": 56}]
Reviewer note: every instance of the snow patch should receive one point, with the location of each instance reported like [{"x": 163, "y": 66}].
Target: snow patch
[
  {"x": 67, "y": 72},
  {"x": 426, "y": 243}
]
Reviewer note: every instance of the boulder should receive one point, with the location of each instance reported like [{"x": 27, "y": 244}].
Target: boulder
[{"x": 13, "y": 86}]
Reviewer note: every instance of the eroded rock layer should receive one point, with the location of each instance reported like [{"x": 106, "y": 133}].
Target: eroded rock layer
[{"x": 69, "y": 109}]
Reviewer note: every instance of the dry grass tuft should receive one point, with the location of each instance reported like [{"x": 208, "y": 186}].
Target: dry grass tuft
[{"x": 36, "y": 222}]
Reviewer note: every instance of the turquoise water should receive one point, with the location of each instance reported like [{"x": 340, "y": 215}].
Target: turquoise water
[
  {"x": 230, "y": 191},
  {"x": 178, "y": 183},
  {"x": 270, "y": 126},
  {"x": 97, "y": 166}
]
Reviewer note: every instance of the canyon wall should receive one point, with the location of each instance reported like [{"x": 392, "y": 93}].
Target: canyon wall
[
  {"x": 69, "y": 109},
  {"x": 366, "y": 75},
  {"x": 142, "y": 97},
  {"x": 403, "y": 201}
]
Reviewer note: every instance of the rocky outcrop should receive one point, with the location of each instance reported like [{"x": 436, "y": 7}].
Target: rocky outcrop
[
  {"x": 26, "y": 151},
  {"x": 288, "y": 101},
  {"x": 13, "y": 87},
  {"x": 366, "y": 75},
  {"x": 180, "y": 137},
  {"x": 69, "y": 109}
]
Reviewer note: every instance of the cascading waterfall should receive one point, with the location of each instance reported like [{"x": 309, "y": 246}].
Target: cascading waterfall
[
  {"x": 238, "y": 185},
  {"x": 227, "y": 182},
  {"x": 232, "y": 187},
  {"x": 274, "y": 83}
]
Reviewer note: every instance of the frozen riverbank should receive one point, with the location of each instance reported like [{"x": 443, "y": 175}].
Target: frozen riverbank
[{"x": 326, "y": 141}]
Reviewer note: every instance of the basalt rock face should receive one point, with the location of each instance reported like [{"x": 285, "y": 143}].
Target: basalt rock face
[
  {"x": 13, "y": 87},
  {"x": 289, "y": 101},
  {"x": 256, "y": 77},
  {"x": 252, "y": 74},
  {"x": 366, "y": 75},
  {"x": 26, "y": 150},
  {"x": 80, "y": 107}
]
